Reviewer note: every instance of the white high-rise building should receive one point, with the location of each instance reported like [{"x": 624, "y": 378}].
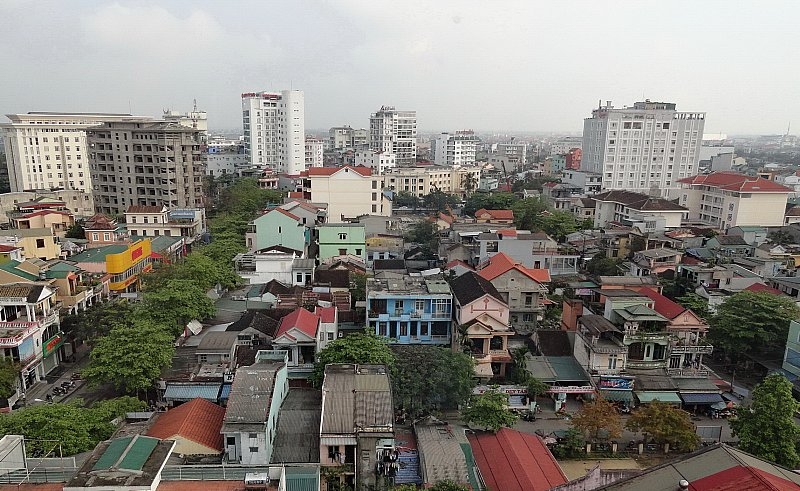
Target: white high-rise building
[
  {"x": 457, "y": 149},
  {"x": 47, "y": 150},
  {"x": 646, "y": 148},
  {"x": 395, "y": 132},
  {"x": 274, "y": 130},
  {"x": 314, "y": 152},
  {"x": 379, "y": 162}
]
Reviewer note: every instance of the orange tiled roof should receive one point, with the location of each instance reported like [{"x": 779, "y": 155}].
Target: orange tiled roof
[
  {"x": 500, "y": 263},
  {"x": 197, "y": 420}
]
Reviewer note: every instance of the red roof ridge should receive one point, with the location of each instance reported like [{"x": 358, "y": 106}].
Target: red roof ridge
[
  {"x": 501, "y": 263},
  {"x": 302, "y": 319},
  {"x": 288, "y": 214},
  {"x": 329, "y": 171}
]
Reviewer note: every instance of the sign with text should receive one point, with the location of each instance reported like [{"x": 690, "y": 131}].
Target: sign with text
[{"x": 616, "y": 383}]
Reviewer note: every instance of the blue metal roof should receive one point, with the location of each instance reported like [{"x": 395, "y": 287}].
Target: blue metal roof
[
  {"x": 226, "y": 391},
  {"x": 187, "y": 392}
]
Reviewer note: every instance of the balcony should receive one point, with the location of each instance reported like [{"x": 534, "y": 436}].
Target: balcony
[
  {"x": 703, "y": 349},
  {"x": 687, "y": 372},
  {"x": 646, "y": 364}
]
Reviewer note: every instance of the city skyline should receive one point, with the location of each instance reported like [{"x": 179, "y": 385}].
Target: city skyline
[{"x": 532, "y": 67}]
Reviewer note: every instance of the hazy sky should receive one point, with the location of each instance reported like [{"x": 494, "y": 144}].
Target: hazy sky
[{"x": 524, "y": 66}]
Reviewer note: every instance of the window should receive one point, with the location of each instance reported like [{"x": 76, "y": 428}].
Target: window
[
  {"x": 612, "y": 363},
  {"x": 342, "y": 252},
  {"x": 253, "y": 449},
  {"x": 529, "y": 299},
  {"x": 95, "y": 236},
  {"x": 343, "y": 236},
  {"x": 330, "y": 336},
  {"x": 358, "y": 252},
  {"x": 299, "y": 277},
  {"x": 106, "y": 236},
  {"x": 39, "y": 243},
  {"x": 253, "y": 435}
]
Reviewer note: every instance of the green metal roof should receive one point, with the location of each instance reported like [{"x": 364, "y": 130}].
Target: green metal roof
[
  {"x": 11, "y": 267},
  {"x": 640, "y": 313},
  {"x": 158, "y": 243},
  {"x": 138, "y": 453},
  {"x": 646, "y": 396},
  {"x": 62, "y": 266},
  {"x": 112, "y": 453},
  {"x": 98, "y": 255}
]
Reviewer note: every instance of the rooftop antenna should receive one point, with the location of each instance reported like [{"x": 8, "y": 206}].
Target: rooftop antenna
[{"x": 195, "y": 104}]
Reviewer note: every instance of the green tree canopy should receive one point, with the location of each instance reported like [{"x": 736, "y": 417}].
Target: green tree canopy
[
  {"x": 364, "y": 348},
  {"x": 489, "y": 201},
  {"x": 425, "y": 234},
  {"x": 448, "y": 485},
  {"x": 9, "y": 375},
  {"x": 752, "y": 319},
  {"x": 75, "y": 231},
  {"x": 429, "y": 378},
  {"x": 406, "y": 199},
  {"x": 766, "y": 428},
  {"x": 131, "y": 357},
  {"x": 780, "y": 237},
  {"x": 97, "y": 321},
  {"x": 598, "y": 415},
  {"x": 600, "y": 265},
  {"x": 440, "y": 200},
  {"x": 665, "y": 423},
  {"x": 527, "y": 212},
  {"x": 247, "y": 197},
  {"x": 177, "y": 303},
  {"x": 696, "y": 304},
  {"x": 76, "y": 428},
  {"x": 489, "y": 410}
]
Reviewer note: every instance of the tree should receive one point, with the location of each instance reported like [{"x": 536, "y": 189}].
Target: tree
[
  {"x": 9, "y": 376},
  {"x": 489, "y": 410},
  {"x": 430, "y": 378},
  {"x": 247, "y": 197},
  {"x": 448, "y": 485},
  {"x": 600, "y": 265},
  {"x": 597, "y": 415},
  {"x": 527, "y": 212},
  {"x": 696, "y": 304},
  {"x": 97, "y": 320},
  {"x": 536, "y": 388},
  {"x": 426, "y": 235},
  {"x": 196, "y": 267},
  {"x": 75, "y": 231},
  {"x": 752, "y": 319},
  {"x": 66, "y": 429},
  {"x": 489, "y": 201},
  {"x": 131, "y": 357},
  {"x": 665, "y": 423},
  {"x": 570, "y": 446},
  {"x": 362, "y": 348},
  {"x": 766, "y": 428},
  {"x": 358, "y": 287},
  {"x": 557, "y": 224},
  {"x": 404, "y": 199},
  {"x": 439, "y": 200},
  {"x": 781, "y": 237},
  {"x": 177, "y": 303}
]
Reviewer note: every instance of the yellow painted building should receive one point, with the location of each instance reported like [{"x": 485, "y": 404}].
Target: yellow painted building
[{"x": 124, "y": 262}]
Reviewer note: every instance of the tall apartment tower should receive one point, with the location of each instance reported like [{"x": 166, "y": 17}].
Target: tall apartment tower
[
  {"x": 455, "y": 149},
  {"x": 146, "y": 162},
  {"x": 275, "y": 130},
  {"x": 645, "y": 148},
  {"x": 395, "y": 132},
  {"x": 47, "y": 150}
]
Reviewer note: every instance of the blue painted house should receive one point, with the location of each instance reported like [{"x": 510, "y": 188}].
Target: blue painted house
[{"x": 410, "y": 309}]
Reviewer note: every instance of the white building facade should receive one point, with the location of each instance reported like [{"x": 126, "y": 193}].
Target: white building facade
[
  {"x": 313, "y": 152},
  {"x": 274, "y": 130},
  {"x": 455, "y": 149},
  {"x": 48, "y": 151},
  {"x": 348, "y": 192},
  {"x": 646, "y": 148},
  {"x": 394, "y": 131},
  {"x": 379, "y": 162}
]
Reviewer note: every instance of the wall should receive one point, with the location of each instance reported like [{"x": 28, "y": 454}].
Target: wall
[
  {"x": 280, "y": 389},
  {"x": 762, "y": 209},
  {"x": 330, "y": 242},
  {"x": 275, "y": 228},
  {"x": 349, "y": 194},
  {"x": 791, "y": 357}
]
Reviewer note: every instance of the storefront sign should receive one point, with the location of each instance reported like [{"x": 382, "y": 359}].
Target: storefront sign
[
  {"x": 571, "y": 389},
  {"x": 136, "y": 254},
  {"x": 52, "y": 344},
  {"x": 510, "y": 390},
  {"x": 616, "y": 384}
]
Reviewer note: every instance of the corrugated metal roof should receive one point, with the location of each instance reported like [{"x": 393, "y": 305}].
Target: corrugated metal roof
[
  {"x": 192, "y": 391},
  {"x": 356, "y": 397},
  {"x": 663, "y": 396},
  {"x": 251, "y": 393}
]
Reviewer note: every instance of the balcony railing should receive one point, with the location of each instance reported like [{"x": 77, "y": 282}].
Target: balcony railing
[
  {"x": 704, "y": 349},
  {"x": 687, "y": 372},
  {"x": 646, "y": 364}
]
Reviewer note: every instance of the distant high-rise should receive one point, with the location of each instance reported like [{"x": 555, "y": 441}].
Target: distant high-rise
[
  {"x": 146, "y": 162},
  {"x": 455, "y": 150},
  {"x": 645, "y": 148},
  {"x": 395, "y": 132},
  {"x": 274, "y": 130}
]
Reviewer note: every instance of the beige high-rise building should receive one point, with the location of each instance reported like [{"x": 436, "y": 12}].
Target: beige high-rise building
[
  {"x": 146, "y": 162},
  {"x": 395, "y": 132},
  {"x": 48, "y": 151}
]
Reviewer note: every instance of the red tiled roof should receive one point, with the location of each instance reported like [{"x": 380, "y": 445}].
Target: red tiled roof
[
  {"x": 329, "y": 171},
  {"x": 45, "y": 212},
  {"x": 690, "y": 260},
  {"x": 739, "y": 478},
  {"x": 501, "y": 263},
  {"x": 144, "y": 209},
  {"x": 456, "y": 262},
  {"x": 281, "y": 210},
  {"x": 295, "y": 194},
  {"x": 762, "y": 288},
  {"x": 326, "y": 314},
  {"x": 301, "y": 319},
  {"x": 663, "y": 305},
  {"x": 445, "y": 217},
  {"x": 496, "y": 214},
  {"x": 7, "y": 248},
  {"x": 733, "y": 181},
  {"x": 197, "y": 420},
  {"x": 515, "y": 461},
  {"x": 507, "y": 232}
]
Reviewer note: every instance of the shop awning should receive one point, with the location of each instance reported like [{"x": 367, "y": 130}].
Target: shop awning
[
  {"x": 617, "y": 395},
  {"x": 645, "y": 396},
  {"x": 187, "y": 392},
  {"x": 701, "y": 398}
]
